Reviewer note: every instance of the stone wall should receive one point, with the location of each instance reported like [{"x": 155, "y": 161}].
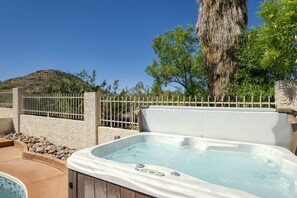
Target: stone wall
[{"x": 6, "y": 112}]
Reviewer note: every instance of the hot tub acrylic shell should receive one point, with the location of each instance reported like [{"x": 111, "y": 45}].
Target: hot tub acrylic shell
[{"x": 84, "y": 161}]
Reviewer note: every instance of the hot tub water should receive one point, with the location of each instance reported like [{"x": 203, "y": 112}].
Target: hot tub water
[
  {"x": 222, "y": 166},
  {"x": 10, "y": 188}
]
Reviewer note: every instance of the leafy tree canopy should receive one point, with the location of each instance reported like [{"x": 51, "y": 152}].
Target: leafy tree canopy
[
  {"x": 268, "y": 52},
  {"x": 108, "y": 88},
  {"x": 140, "y": 89},
  {"x": 178, "y": 61}
]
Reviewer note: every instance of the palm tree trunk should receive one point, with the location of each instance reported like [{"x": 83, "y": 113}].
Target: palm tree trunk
[{"x": 220, "y": 22}]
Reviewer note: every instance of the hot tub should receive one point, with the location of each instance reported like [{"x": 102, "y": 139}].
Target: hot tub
[{"x": 165, "y": 165}]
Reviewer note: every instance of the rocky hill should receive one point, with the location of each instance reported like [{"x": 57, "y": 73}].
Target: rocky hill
[{"x": 47, "y": 81}]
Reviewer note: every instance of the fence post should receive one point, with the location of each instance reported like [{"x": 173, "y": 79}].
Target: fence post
[
  {"x": 286, "y": 102},
  {"x": 285, "y": 94},
  {"x": 99, "y": 110},
  {"x": 17, "y": 107},
  {"x": 91, "y": 112}
]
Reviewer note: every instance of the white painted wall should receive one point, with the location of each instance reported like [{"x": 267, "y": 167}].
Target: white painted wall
[{"x": 245, "y": 125}]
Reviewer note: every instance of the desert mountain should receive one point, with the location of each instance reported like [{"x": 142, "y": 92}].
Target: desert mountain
[{"x": 46, "y": 81}]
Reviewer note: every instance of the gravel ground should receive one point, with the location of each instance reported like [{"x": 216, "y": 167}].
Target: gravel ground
[{"x": 41, "y": 145}]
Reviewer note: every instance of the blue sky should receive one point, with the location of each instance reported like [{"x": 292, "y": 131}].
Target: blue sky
[{"x": 112, "y": 37}]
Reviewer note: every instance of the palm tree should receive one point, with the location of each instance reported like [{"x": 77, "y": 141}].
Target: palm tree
[{"x": 220, "y": 22}]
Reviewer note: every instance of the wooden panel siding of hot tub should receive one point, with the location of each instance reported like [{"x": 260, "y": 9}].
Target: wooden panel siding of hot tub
[{"x": 84, "y": 186}]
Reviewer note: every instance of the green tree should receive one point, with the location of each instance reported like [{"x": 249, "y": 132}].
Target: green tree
[
  {"x": 220, "y": 23},
  {"x": 90, "y": 80},
  {"x": 80, "y": 82},
  {"x": 109, "y": 89},
  {"x": 178, "y": 61},
  {"x": 140, "y": 89},
  {"x": 268, "y": 52}
]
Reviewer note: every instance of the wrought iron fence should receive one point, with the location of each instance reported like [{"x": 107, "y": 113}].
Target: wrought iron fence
[
  {"x": 6, "y": 98},
  {"x": 67, "y": 106},
  {"x": 122, "y": 111}
]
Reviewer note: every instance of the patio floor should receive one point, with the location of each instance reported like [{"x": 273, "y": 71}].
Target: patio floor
[{"x": 40, "y": 179}]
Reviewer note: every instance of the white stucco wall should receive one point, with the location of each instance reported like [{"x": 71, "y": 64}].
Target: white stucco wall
[
  {"x": 106, "y": 134},
  {"x": 6, "y": 125},
  {"x": 71, "y": 133},
  {"x": 264, "y": 126},
  {"x": 6, "y": 112}
]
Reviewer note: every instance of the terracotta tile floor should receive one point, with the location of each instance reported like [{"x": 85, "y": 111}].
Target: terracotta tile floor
[{"x": 41, "y": 180}]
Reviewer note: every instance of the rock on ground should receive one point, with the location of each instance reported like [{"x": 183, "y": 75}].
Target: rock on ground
[{"x": 41, "y": 145}]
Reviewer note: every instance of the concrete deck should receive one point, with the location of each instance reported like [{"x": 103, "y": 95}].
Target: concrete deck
[{"x": 40, "y": 179}]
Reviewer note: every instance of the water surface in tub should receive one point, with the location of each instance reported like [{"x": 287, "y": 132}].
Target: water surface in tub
[
  {"x": 10, "y": 189},
  {"x": 235, "y": 169}
]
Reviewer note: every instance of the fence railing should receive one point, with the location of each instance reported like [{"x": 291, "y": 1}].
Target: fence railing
[
  {"x": 118, "y": 111},
  {"x": 122, "y": 111},
  {"x": 67, "y": 106},
  {"x": 6, "y": 98}
]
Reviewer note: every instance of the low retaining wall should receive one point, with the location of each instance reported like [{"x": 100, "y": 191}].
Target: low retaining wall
[
  {"x": 6, "y": 112},
  {"x": 72, "y": 133},
  {"x": 106, "y": 134},
  {"x": 45, "y": 159},
  {"x": 6, "y": 125}
]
